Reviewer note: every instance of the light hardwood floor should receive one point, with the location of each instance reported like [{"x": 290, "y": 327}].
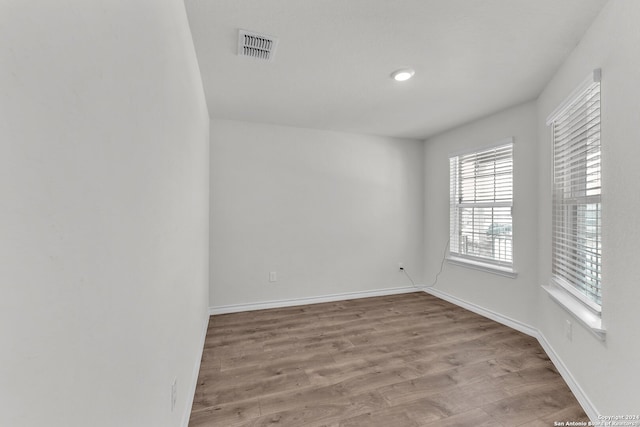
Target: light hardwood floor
[{"x": 394, "y": 361}]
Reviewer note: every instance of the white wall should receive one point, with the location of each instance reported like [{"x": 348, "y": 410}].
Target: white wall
[
  {"x": 104, "y": 214},
  {"x": 507, "y": 296},
  {"x": 329, "y": 212},
  {"x": 608, "y": 372}
]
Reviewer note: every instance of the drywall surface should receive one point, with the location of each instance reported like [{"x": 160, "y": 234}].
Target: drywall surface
[
  {"x": 329, "y": 212},
  {"x": 507, "y": 296},
  {"x": 104, "y": 214},
  {"x": 608, "y": 372}
]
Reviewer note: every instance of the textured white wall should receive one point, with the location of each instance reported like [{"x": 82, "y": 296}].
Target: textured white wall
[
  {"x": 329, "y": 212},
  {"x": 104, "y": 212},
  {"x": 608, "y": 372},
  {"x": 509, "y": 297}
]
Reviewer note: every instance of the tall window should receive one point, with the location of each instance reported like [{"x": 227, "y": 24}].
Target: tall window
[
  {"x": 481, "y": 198},
  {"x": 576, "y": 233}
]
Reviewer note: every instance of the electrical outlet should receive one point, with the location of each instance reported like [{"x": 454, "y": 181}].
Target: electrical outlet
[
  {"x": 273, "y": 277},
  {"x": 174, "y": 394},
  {"x": 568, "y": 330}
]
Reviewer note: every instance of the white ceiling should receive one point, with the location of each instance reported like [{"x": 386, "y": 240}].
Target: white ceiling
[{"x": 332, "y": 65}]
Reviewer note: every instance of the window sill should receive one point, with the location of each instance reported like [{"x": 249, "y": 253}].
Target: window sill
[
  {"x": 483, "y": 266},
  {"x": 587, "y": 317}
]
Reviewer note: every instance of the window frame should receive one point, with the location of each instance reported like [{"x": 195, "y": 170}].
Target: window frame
[
  {"x": 485, "y": 264},
  {"x": 568, "y": 295}
]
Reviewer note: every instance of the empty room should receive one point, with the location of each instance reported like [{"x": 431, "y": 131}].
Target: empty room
[{"x": 394, "y": 213}]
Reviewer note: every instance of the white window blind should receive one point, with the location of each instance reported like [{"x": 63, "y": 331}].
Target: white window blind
[
  {"x": 576, "y": 232},
  {"x": 481, "y": 198}
]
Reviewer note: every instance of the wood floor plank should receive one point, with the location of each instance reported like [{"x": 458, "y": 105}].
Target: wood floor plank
[
  {"x": 399, "y": 360},
  {"x": 300, "y": 398},
  {"x": 573, "y": 412},
  {"x": 380, "y": 419},
  {"x": 228, "y": 415},
  {"x": 475, "y": 417},
  {"x": 218, "y": 395},
  {"x": 322, "y": 413},
  {"x": 530, "y": 405}
]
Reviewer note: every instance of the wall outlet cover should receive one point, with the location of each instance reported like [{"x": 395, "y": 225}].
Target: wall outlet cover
[
  {"x": 568, "y": 330},
  {"x": 174, "y": 394}
]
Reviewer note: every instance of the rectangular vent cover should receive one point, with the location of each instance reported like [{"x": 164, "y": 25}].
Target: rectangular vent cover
[{"x": 258, "y": 46}]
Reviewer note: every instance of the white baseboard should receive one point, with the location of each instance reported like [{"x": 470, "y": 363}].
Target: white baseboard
[
  {"x": 493, "y": 315},
  {"x": 578, "y": 392},
  {"x": 191, "y": 392},
  {"x": 235, "y": 308}
]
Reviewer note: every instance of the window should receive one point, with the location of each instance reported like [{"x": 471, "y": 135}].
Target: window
[
  {"x": 481, "y": 199},
  {"x": 577, "y": 192}
]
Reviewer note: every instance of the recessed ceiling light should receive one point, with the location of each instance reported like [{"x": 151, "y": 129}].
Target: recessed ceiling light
[{"x": 402, "y": 74}]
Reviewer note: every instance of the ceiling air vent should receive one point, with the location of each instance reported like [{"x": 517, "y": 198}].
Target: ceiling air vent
[{"x": 258, "y": 46}]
